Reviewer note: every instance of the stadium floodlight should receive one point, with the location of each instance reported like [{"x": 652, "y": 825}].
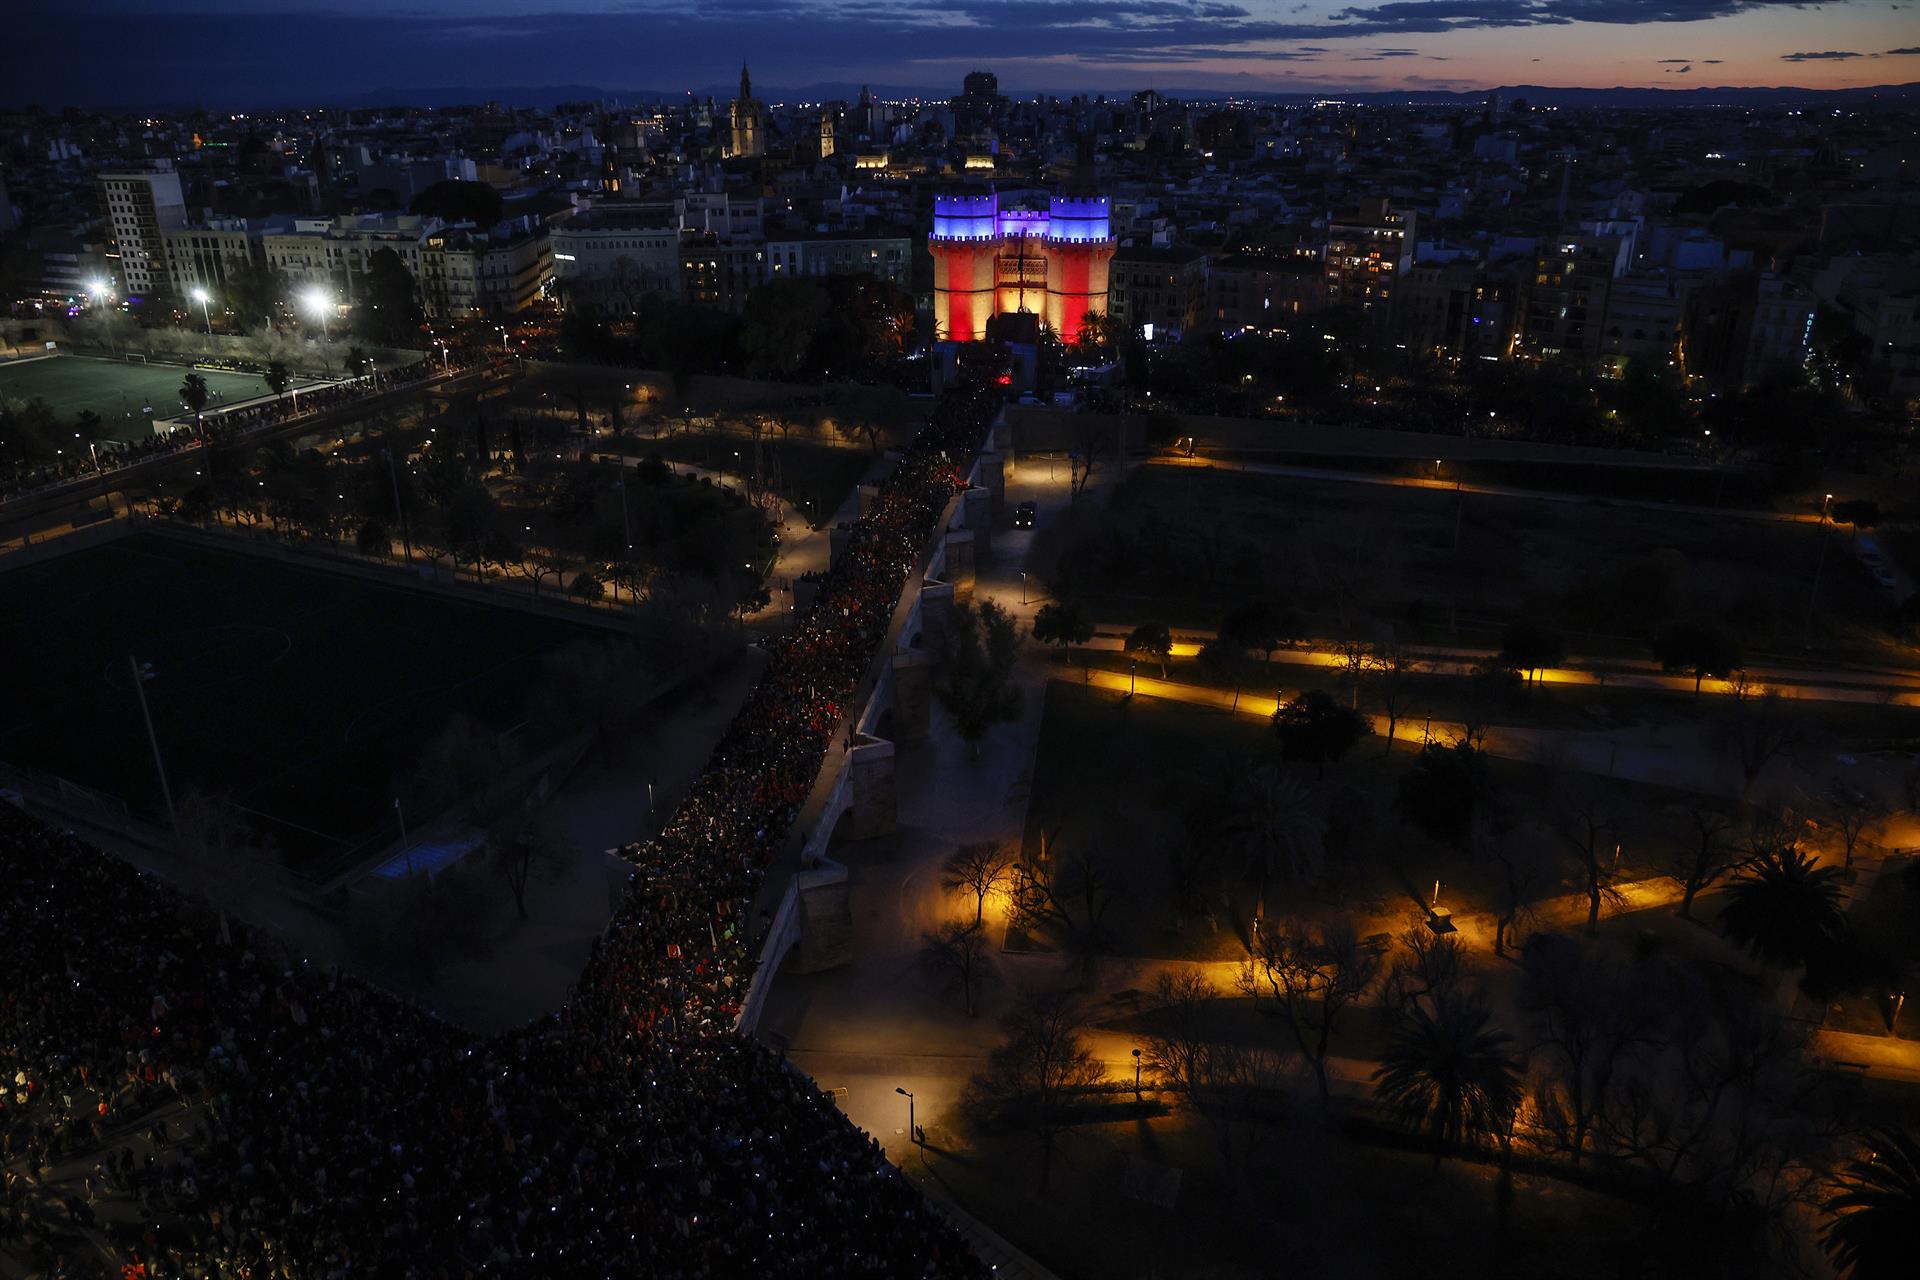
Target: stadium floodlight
[
  {"x": 318, "y": 302},
  {"x": 205, "y": 299}
]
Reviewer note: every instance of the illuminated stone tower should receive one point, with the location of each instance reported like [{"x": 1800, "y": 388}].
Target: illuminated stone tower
[
  {"x": 747, "y": 118},
  {"x": 990, "y": 261}
]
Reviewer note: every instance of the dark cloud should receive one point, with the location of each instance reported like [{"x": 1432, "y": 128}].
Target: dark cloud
[
  {"x": 1829, "y": 56},
  {"x": 1896, "y": 53},
  {"x": 1674, "y": 61},
  {"x": 240, "y": 51}
]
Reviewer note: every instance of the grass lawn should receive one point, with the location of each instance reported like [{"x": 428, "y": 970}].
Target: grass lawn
[
  {"x": 1110, "y": 771},
  {"x": 121, "y": 392},
  {"x": 1184, "y": 545},
  {"x": 304, "y": 694},
  {"x": 1883, "y": 926},
  {"x": 1312, "y": 1201}
]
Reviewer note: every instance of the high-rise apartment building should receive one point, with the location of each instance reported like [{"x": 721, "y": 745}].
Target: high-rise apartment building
[{"x": 139, "y": 206}]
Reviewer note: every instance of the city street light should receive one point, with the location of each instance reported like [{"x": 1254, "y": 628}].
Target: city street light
[
  {"x": 318, "y": 303},
  {"x": 1136, "y": 1075},
  {"x": 913, "y": 1130}
]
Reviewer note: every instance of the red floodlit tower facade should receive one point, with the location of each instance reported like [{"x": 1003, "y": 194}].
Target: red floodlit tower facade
[{"x": 990, "y": 261}]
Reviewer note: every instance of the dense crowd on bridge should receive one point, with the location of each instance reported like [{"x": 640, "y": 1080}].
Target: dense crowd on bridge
[{"x": 246, "y": 1113}]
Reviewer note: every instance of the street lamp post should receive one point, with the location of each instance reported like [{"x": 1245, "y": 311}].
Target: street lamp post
[
  {"x": 201, "y": 296},
  {"x": 406, "y": 536},
  {"x": 1136, "y": 1075},
  {"x": 405, "y": 847},
  {"x": 141, "y": 674},
  {"x": 1023, "y": 587},
  {"x": 913, "y": 1130}
]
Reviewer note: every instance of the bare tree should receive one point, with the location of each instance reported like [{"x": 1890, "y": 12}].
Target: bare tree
[
  {"x": 1232, "y": 1087},
  {"x": 1523, "y": 874},
  {"x": 1755, "y": 731},
  {"x": 1390, "y": 670},
  {"x": 982, "y": 869},
  {"x": 1589, "y": 1012},
  {"x": 958, "y": 951},
  {"x": 1851, "y": 814},
  {"x": 1428, "y": 968},
  {"x": 527, "y": 852},
  {"x": 1040, "y": 1069},
  {"x": 1588, "y": 828},
  {"x": 1703, "y": 855},
  {"x": 1313, "y": 976}
]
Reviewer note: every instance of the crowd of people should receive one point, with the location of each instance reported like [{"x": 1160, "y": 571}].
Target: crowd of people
[{"x": 246, "y": 1113}]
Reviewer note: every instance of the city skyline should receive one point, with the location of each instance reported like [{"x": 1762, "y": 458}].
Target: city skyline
[{"x": 229, "y": 52}]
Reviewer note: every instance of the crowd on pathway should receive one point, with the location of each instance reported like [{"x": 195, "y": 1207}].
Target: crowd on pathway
[
  {"x": 220, "y": 426},
  {"x": 245, "y": 1113}
]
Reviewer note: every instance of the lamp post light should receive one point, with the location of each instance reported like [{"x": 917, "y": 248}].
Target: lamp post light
[
  {"x": 143, "y": 672},
  {"x": 318, "y": 303},
  {"x": 1133, "y": 665},
  {"x": 1023, "y": 586},
  {"x": 204, "y": 299},
  {"x": 1136, "y": 1075},
  {"x": 913, "y": 1130}
]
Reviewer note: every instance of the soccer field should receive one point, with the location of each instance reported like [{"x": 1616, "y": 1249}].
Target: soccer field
[
  {"x": 121, "y": 392},
  {"x": 303, "y": 694}
]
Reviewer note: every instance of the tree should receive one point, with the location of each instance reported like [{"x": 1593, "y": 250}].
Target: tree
[
  {"x": 1314, "y": 729},
  {"x": 1783, "y": 908},
  {"x": 1703, "y": 856},
  {"x": 1224, "y": 1082},
  {"x": 277, "y": 378},
  {"x": 1873, "y": 1228},
  {"x": 779, "y": 323},
  {"x": 1151, "y": 642},
  {"x": 1227, "y": 663},
  {"x": 193, "y": 393},
  {"x": 959, "y": 951},
  {"x": 1062, "y": 624},
  {"x": 1266, "y": 819},
  {"x": 1700, "y": 650},
  {"x": 527, "y": 852},
  {"x": 1588, "y": 828},
  {"x": 1589, "y": 1010},
  {"x": 873, "y": 413},
  {"x": 1390, "y": 672},
  {"x": 1442, "y": 793},
  {"x": 982, "y": 869},
  {"x": 977, "y": 650},
  {"x": 1755, "y": 731},
  {"x": 1451, "y": 1074},
  {"x": 1526, "y": 647},
  {"x": 1040, "y": 1069},
  {"x": 454, "y": 200},
  {"x": 1851, "y": 814},
  {"x": 1857, "y": 514},
  {"x": 1260, "y": 625},
  {"x": 1313, "y": 976},
  {"x": 358, "y": 362},
  {"x": 388, "y": 312},
  {"x": 1428, "y": 967}
]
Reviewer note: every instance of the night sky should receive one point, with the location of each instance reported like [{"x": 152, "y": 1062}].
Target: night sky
[{"x": 242, "y": 52}]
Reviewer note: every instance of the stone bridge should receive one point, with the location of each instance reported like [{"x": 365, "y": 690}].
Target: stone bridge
[{"x": 853, "y": 797}]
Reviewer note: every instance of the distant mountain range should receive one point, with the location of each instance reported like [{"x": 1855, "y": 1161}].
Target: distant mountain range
[{"x": 1536, "y": 95}]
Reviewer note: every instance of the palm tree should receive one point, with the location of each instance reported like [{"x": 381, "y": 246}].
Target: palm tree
[
  {"x": 1875, "y": 1227},
  {"x": 1784, "y": 908},
  {"x": 1450, "y": 1073},
  {"x": 1267, "y": 820}
]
